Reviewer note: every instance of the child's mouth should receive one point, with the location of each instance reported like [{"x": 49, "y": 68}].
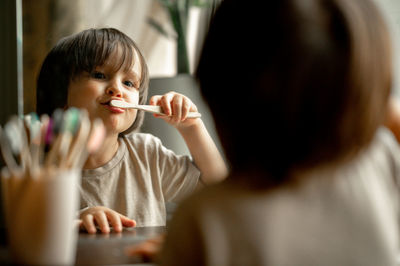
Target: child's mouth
[{"x": 113, "y": 109}]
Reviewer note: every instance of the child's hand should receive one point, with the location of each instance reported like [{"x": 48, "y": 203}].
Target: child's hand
[
  {"x": 147, "y": 250},
  {"x": 393, "y": 117},
  {"x": 176, "y": 106},
  {"x": 103, "y": 217}
]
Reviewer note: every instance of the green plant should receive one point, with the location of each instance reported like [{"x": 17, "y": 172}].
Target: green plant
[{"x": 178, "y": 11}]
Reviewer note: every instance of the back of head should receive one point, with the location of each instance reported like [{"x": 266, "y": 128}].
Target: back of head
[
  {"x": 83, "y": 52},
  {"x": 293, "y": 84}
]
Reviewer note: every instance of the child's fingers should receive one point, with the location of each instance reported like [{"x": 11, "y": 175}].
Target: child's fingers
[
  {"x": 148, "y": 249},
  {"x": 177, "y": 102},
  {"x": 165, "y": 103},
  {"x": 79, "y": 223},
  {"x": 185, "y": 110},
  {"x": 88, "y": 223},
  {"x": 187, "y": 106},
  {"x": 115, "y": 221},
  {"x": 102, "y": 222},
  {"x": 127, "y": 222},
  {"x": 175, "y": 105},
  {"x": 154, "y": 100}
]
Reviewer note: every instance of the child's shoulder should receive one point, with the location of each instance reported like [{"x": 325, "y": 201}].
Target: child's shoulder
[
  {"x": 385, "y": 143},
  {"x": 386, "y": 138}
]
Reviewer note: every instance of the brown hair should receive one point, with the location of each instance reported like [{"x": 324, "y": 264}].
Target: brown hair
[
  {"x": 294, "y": 84},
  {"x": 81, "y": 52}
]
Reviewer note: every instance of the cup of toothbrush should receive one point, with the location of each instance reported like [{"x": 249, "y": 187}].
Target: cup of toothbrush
[{"x": 40, "y": 183}]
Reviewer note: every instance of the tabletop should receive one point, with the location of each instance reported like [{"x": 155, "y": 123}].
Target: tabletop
[
  {"x": 103, "y": 249},
  {"x": 97, "y": 249}
]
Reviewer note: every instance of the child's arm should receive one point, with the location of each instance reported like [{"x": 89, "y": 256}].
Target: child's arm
[
  {"x": 103, "y": 217},
  {"x": 201, "y": 146}
]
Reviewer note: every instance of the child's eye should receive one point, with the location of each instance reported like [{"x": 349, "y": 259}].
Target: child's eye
[
  {"x": 98, "y": 75},
  {"x": 130, "y": 84}
]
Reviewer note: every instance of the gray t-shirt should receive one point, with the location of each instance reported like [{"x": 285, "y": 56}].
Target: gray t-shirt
[{"x": 138, "y": 181}]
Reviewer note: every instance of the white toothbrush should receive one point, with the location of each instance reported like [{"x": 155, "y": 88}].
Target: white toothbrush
[{"x": 148, "y": 108}]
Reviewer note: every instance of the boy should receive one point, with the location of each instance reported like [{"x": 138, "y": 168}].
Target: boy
[{"x": 132, "y": 175}]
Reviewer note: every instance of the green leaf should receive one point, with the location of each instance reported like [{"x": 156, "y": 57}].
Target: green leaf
[
  {"x": 158, "y": 27},
  {"x": 179, "y": 11}
]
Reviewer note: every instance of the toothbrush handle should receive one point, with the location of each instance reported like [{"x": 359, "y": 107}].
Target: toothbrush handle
[{"x": 158, "y": 110}]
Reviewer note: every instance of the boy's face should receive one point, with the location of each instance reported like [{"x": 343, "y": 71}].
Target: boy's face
[{"x": 94, "y": 91}]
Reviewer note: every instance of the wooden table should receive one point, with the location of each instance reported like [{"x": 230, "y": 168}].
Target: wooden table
[{"x": 110, "y": 248}]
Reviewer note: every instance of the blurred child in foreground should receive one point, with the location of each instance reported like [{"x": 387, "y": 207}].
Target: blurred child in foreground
[{"x": 314, "y": 172}]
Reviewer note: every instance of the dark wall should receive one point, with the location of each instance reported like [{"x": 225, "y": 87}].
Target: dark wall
[{"x": 11, "y": 98}]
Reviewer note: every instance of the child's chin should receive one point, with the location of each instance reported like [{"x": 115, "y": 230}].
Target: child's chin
[
  {"x": 118, "y": 124},
  {"x": 126, "y": 130}
]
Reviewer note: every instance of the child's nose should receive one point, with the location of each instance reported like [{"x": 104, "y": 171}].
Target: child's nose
[{"x": 114, "y": 91}]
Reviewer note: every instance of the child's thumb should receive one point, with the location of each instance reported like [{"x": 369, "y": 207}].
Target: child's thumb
[{"x": 127, "y": 222}]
